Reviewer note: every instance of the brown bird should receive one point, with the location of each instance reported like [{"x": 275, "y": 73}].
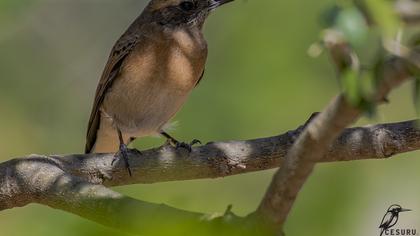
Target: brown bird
[{"x": 150, "y": 72}]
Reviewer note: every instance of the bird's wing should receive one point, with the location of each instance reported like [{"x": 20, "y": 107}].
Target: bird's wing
[
  {"x": 201, "y": 77},
  {"x": 119, "y": 52},
  {"x": 394, "y": 221},
  {"x": 386, "y": 220}
]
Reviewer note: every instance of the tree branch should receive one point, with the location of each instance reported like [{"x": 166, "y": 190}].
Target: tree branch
[
  {"x": 408, "y": 10},
  {"x": 321, "y": 132},
  {"x": 22, "y": 177},
  {"x": 43, "y": 181}
]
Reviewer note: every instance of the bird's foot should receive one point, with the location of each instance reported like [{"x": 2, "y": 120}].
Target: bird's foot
[
  {"x": 176, "y": 144},
  {"x": 123, "y": 154},
  {"x": 187, "y": 146}
]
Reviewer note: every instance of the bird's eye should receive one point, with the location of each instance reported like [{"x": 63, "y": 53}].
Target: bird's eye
[{"x": 187, "y": 6}]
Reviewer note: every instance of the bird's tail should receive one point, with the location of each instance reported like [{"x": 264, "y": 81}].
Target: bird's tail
[{"x": 382, "y": 231}]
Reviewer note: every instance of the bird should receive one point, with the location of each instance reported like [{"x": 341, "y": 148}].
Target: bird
[
  {"x": 150, "y": 72},
  {"x": 391, "y": 217}
]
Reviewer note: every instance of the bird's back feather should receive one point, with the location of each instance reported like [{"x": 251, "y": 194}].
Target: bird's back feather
[{"x": 119, "y": 52}]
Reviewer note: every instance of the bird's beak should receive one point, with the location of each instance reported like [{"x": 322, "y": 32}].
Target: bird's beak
[
  {"x": 217, "y": 3},
  {"x": 402, "y": 210}
]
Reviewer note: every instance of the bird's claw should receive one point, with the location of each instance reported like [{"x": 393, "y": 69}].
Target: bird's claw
[
  {"x": 123, "y": 153},
  {"x": 194, "y": 142},
  {"x": 187, "y": 146}
]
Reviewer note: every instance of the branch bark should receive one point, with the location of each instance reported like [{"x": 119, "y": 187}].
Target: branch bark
[
  {"x": 321, "y": 132},
  {"x": 76, "y": 183},
  {"x": 44, "y": 181},
  {"x": 408, "y": 10},
  {"x": 214, "y": 160}
]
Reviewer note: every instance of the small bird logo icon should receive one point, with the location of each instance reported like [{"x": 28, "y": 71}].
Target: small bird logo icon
[{"x": 391, "y": 217}]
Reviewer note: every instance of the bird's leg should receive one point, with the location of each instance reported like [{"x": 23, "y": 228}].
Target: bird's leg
[
  {"x": 134, "y": 150},
  {"x": 175, "y": 143},
  {"x": 123, "y": 152}
]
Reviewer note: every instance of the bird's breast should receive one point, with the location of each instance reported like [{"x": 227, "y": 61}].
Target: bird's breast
[
  {"x": 155, "y": 80},
  {"x": 177, "y": 61}
]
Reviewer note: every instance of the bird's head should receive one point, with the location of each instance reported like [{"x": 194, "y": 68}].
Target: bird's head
[
  {"x": 182, "y": 13},
  {"x": 396, "y": 209}
]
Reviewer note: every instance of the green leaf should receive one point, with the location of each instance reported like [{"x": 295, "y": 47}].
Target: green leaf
[
  {"x": 329, "y": 16},
  {"x": 351, "y": 85},
  {"x": 368, "y": 89},
  {"x": 352, "y": 24},
  {"x": 368, "y": 84},
  {"x": 384, "y": 15}
]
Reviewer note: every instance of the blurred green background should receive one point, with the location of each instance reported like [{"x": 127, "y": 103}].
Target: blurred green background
[{"x": 259, "y": 82}]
